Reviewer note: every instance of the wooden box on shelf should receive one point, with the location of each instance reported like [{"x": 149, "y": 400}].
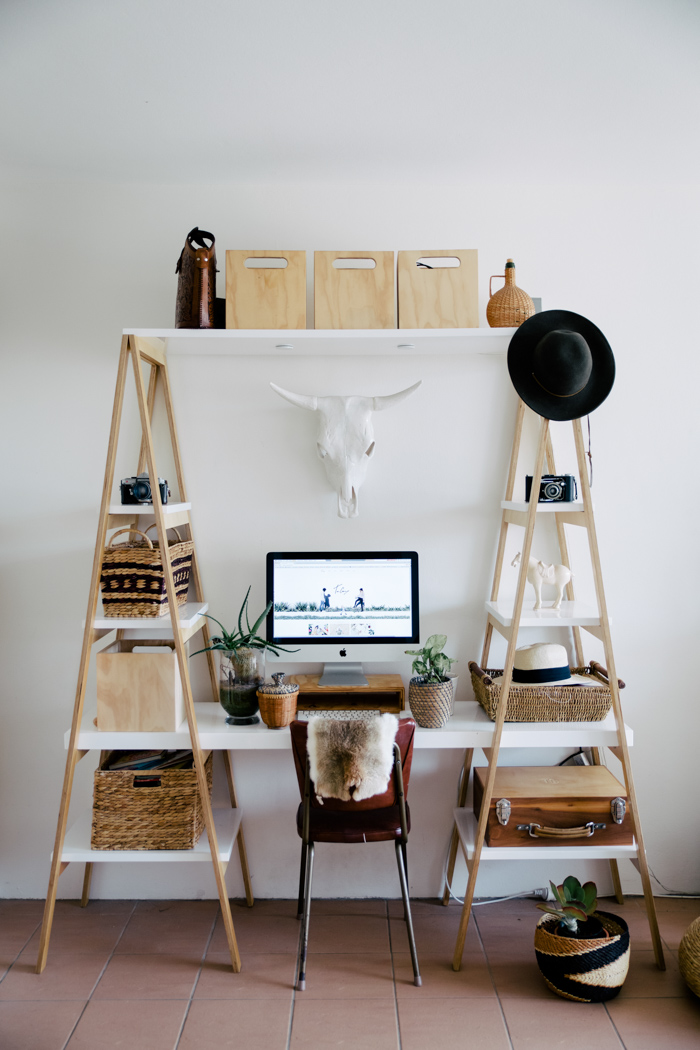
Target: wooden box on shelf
[
  {"x": 438, "y": 296},
  {"x": 354, "y": 296},
  {"x": 139, "y": 692},
  {"x": 259, "y": 296},
  {"x": 558, "y": 800}
]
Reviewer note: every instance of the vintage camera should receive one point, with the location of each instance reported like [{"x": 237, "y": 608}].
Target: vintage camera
[
  {"x": 554, "y": 488},
  {"x": 138, "y": 490}
]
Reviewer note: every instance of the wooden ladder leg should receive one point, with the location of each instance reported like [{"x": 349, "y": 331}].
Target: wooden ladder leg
[
  {"x": 245, "y": 870},
  {"x": 503, "y": 702},
  {"x": 87, "y": 879},
  {"x": 614, "y": 867},
  {"x": 454, "y": 841},
  {"x": 219, "y": 867},
  {"x": 622, "y": 748},
  {"x": 88, "y": 637},
  {"x": 510, "y": 487},
  {"x": 195, "y": 574},
  {"x": 564, "y": 554}
]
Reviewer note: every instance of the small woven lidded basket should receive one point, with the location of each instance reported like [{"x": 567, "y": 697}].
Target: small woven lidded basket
[
  {"x": 278, "y": 702},
  {"x": 587, "y": 971},
  {"x": 430, "y": 702},
  {"x": 689, "y": 956},
  {"x": 543, "y": 703},
  {"x": 133, "y": 578},
  {"x": 147, "y": 809}
]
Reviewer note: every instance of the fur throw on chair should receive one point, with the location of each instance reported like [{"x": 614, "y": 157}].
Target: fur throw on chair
[{"x": 351, "y": 760}]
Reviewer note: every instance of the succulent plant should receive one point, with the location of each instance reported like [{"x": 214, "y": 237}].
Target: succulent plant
[
  {"x": 576, "y": 902},
  {"x": 240, "y": 638}
]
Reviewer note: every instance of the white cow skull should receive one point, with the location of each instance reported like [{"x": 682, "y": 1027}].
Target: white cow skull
[{"x": 345, "y": 439}]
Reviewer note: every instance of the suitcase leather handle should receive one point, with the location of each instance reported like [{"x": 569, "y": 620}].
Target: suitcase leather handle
[{"x": 537, "y": 831}]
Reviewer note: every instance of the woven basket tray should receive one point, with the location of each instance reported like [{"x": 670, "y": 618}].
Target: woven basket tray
[
  {"x": 554, "y": 703},
  {"x": 164, "y": 813},
  {"x": 133, "y": 579}
]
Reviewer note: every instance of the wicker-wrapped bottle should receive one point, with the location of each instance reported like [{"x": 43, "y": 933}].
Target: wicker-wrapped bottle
[{"x": 510, "y": 305}]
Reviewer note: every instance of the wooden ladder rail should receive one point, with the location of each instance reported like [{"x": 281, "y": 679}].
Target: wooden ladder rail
[{"x": 150, "y": 352}]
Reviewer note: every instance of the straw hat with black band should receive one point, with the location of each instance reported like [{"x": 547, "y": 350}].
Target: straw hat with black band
[{"x": 561, "y": 364}]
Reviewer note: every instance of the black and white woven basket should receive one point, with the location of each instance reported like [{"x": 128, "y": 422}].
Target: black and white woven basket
[{"x": 587, "y": 971}]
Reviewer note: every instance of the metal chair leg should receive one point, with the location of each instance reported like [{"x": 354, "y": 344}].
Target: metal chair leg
[
  {"x": 301, "y": 982},
  {"x": 302, "y": 881},
  {"x": 405, "y": 868},
  {"x": 407, "y": 914}
]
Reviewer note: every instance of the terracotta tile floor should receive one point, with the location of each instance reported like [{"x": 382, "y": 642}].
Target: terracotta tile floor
[{"x": 155, "y": 975}]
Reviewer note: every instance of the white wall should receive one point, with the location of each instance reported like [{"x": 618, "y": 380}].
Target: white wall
[
  {"x": 89, "y": 259},
  {"x": 556, "y": 133}
]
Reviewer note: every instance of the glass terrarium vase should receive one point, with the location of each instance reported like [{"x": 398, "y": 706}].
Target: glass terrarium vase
[{"x": 241, "y": 673}]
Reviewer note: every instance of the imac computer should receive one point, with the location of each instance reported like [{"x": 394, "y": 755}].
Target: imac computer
[{"x": 343, "y": 608}]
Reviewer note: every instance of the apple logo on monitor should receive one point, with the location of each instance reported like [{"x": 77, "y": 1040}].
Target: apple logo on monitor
[{"x": 343, "y": 652}]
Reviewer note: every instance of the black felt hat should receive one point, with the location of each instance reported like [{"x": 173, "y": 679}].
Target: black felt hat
[{"x": 561, "y": 365}]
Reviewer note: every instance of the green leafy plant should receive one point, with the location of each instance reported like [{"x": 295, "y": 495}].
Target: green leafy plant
[
  {"x": 431, "y": 664},
  {"x": 576, "y": 902},
  {"x": 241, "y": 638}
]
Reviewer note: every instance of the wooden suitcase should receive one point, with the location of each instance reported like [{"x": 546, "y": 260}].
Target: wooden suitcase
[{"x": 554, "y": 805}]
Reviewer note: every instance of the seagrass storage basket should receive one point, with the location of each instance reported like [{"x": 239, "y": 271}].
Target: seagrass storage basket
[
  {"x": 147, "y": 809},
  {"x": 133, "y": 578},
  {"x": 587, "y": 971},
  {"x": 554, "y": 703}
]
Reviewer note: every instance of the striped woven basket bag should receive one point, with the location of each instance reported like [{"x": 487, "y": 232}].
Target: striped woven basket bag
[{"x": 133, "y": 578}]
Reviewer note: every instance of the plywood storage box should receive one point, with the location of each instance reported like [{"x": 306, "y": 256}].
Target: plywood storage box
[
  {"x": 138, "y": 691},
  {"x": 438, "y": 296},
  {"x": 347, "y": 296},
  {"x": 260, "y": 296}
]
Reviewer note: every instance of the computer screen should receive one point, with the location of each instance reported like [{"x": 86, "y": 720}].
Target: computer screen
[{"x": 343, "y": 598}]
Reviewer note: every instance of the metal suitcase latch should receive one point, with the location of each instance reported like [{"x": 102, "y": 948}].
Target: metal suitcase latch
[
  {"x": 503, "y": 810},
  {"x": 618, "y": 808}
]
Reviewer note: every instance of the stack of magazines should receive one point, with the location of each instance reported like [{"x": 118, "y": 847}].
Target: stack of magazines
[{"x": 124, "y": 760}]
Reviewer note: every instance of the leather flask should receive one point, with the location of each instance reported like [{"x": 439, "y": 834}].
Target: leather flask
[{"x": 196, "y": 284}]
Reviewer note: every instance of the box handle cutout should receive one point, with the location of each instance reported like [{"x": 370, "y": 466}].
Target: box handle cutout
[
  {"x": 354, "y": 264},
  {"x": 146, "y": 782},
  {"x": 255, "y": 263},
  {"x": 438, "y": 262}
]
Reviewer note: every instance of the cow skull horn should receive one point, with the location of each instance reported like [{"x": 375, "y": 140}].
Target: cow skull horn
[
  {"x": 387, "y": 400},
  {"x": 300, "y": 400}
]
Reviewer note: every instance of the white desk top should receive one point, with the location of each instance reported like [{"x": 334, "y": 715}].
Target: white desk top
[{"x": 470, "y": 726}]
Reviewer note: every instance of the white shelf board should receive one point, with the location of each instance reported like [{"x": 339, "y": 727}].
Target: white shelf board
[
  {"x": 466, "y": 826},
  {"x": 147, "y": 508},
  {"x": 76, "y": 846},
  {"x": 569, "y": 614},
  {"x": 189, "y": 613},
  {"x": 542, "y": 508},
  {"x": 470, "y": 726},
  {"x": 314, "y": 341}
]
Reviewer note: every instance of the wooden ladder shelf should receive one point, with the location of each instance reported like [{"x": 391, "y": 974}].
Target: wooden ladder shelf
[
  {"x": 150, "y": 352},
  {"x": 583, "y": 517}
]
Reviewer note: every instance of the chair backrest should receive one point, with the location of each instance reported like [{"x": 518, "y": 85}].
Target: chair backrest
[{"x": 404, "y": 738}]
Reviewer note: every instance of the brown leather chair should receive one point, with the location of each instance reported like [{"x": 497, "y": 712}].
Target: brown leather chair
[{"x": 382, "y": 818}]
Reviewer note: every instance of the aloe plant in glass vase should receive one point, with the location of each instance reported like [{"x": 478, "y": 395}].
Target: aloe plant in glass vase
[{"x": 241, "y": 665}]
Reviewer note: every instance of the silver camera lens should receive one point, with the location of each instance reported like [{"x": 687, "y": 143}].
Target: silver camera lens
[{"x": 553, "y": 490}]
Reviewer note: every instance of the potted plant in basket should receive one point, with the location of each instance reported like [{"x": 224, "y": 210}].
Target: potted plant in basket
[
  {"x": 241, "y": 665},
  {"x": 430, "y": 690},
  {"x": 583, "y": 954}
]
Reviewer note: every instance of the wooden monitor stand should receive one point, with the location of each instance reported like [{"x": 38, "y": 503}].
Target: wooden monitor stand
[{"x": 385, "y": 692}]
